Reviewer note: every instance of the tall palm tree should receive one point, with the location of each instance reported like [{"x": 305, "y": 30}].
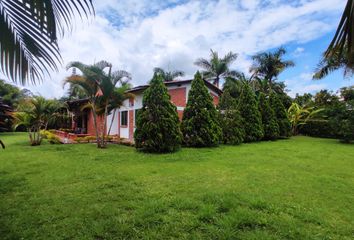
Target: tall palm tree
[
  {"x": 29, "y": 33},
  {"x": 268, "y": 65},
  {"x": 340, "y": 52},
  {"x": 168, "y": 76},
  {"x": 99, "y": 87},
  {"x": 216, "y": 68}
]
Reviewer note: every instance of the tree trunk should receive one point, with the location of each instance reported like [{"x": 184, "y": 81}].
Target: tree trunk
[
  {"x": 2, "y": 144},
  {"x": 104, "y": 125},
  {"x": 110, "y": 127},
  {"x": 95, "y": 125}
]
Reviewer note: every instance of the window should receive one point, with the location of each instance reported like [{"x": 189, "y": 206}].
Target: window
[{"x": 124, "y": 118}]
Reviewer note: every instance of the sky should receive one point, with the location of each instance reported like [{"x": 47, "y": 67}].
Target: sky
[{"x": 138, "y": 35}]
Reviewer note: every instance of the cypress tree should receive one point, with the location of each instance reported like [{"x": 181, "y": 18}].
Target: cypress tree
[
  {"x": 200, "y": 126},
  {"x": 157, "y": 128},
  {"x": 230, "y": 120},
  {"x": 269, "y": 121},
  {"x": 281, "y": 116},
  {"x": 251, "y": 115}
]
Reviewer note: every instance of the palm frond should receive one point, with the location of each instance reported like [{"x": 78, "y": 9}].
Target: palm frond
[
  {"x": 29, "y": 33},
  {"x": 344, "y": 36}
]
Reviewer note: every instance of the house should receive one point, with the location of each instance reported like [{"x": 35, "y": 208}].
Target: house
[{"x": 122, "y": 121}]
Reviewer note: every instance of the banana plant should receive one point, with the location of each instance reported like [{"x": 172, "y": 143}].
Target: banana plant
[{"x": 300, "y": 115}]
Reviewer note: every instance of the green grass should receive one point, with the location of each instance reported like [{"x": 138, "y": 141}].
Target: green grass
[{"x": 302, "y": 188}]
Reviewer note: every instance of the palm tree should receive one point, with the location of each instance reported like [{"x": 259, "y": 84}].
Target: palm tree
[
  {"x": 268, "y": 65},
  {"x": 99, "y": 87},
  {"x": 332, "y": 62},
  {"x": 34, "y": 114},
  {"x": 29, "y": 33},
  {"x": 340, "y": 52},
  {"x": 168, "y": 76},
  {"x": 235, "y": 85},
  {"x": 216, "y": 68}
]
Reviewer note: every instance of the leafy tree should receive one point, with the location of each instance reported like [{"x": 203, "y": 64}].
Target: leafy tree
[
  {"x": 268, "y": 65},
  {"x": 99, "y": 87},
  {"x": 29, "y": 33},
  {"x": 217, "y": 68},
  {"x": 230, "y": 120},
  {"x": 168, "y": 76},
  {"x": 347, "y": 93},
  {"x": 269, "y": 120},
  {"x": 304, "y": 100},
  {"x": 157, "y": 127},
  {"x": 251, "y": 115},
  {"x": 200, "y": 126},
  {"x": 280, "y": 115}
]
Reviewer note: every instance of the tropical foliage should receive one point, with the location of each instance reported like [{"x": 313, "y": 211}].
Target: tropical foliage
[
  {"x": 340, "y": 52},
  {"x": 216, "y": 68},
  {"x": 29, "y": 34},
  {"x": 200, "y": 126},
  {"x": 168, "y": 76},
  {"x": 35, "y": 114},
  {"x": 268, "y": 65},
  {"x": 299, "y": 115},
  {"x": 157, "y": 126},
  {"x": 100, "y": 89}
]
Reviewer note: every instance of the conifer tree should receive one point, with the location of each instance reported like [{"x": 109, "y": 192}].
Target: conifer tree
[
  {"x": 200, "y": 126},
  {"x": 269, "y": 120},
  {"x": 281, "y": 115},
  {"x": 251, "y": 115},
  {"x": 157, "y": 128},
  {"x": 230, "y": 120}
]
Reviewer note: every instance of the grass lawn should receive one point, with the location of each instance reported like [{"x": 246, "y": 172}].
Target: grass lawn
[{"x": 302, "y": 188}]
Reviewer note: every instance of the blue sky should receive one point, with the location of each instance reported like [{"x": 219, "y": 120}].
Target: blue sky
[{"x": 139, "y": 35}]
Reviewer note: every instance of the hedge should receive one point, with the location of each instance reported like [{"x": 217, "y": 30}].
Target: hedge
[{"x": 318, "y": 128}]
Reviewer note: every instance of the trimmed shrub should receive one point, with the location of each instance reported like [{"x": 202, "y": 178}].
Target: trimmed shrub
[
  {"x": 52, "y": 138},
  {"x": 318, "y": 128},
  {"x": 281, "y": 115},
  {"x": 230, "y": 120},
  {"x": 251, "y": 115},
  {"x": 269, "y": 121},
  {"x": 157, "y": 127},
  {"x": 200, "y": 125}
]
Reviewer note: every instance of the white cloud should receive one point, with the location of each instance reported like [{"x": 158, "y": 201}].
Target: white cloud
[
  {"x": 304, "y": 84},
  {"x": 139, "y": 35}
]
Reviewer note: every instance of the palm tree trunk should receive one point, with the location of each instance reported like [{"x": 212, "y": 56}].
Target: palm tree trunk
[
  {"x": 104, "y": 124},
  {"x": 95, "y": 125},
  {"x": 112, "y": 120}
]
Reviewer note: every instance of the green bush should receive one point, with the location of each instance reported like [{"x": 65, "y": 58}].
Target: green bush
[
  {"x": 318, "y": 128},
  {"x": 200, "y": 125},
  {"x": 269, "y": 120},
  {"x": 281, "y": 115},
  {"x": 158, "y": 127},
  {"x": 52, "y": 138},
  {"x": 230, "y": 120},
  {"x": 251, "y": 115}
]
